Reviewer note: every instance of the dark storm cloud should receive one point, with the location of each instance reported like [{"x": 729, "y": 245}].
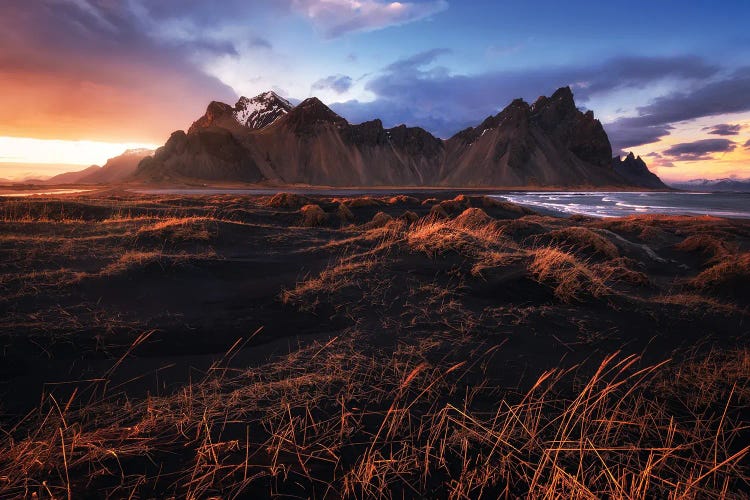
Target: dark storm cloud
[
  {"x": 628, "y": 132},
  {"x": 427, "y": 94},
  {"x": 699, "y": 150},
  {"x": 724, "y": 129},
  {"x": 725, "y": 95},
  {"x": 336, "y": 83},
  {"x": 747, "y": 144},
  {"x": 728, "y": 95}
]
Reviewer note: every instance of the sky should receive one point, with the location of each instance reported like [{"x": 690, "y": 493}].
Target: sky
[{"x": 83, "y": 80}]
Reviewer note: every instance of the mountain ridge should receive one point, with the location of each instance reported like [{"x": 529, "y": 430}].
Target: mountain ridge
[
  {"x": 725, "y": 185},
  {"x": 265, "y": 140},
  {"x": 116, "y": 169},
  {"x": 635, "y": 169}
]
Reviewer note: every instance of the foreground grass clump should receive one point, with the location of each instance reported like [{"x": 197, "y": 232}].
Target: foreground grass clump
[
  {"x": 586, "y": 240},
  {"x": 288, "y": 200},
  {"x": 470, "y": 234},
  {"x": 313, "y": 215},
  {"x": 571, "y": 279},
  {"x": 177, "y": 229},
  {"x": 332, "y": 420},
  {"x": 730, "y": 277},
  {"x": 712, "y": 248}
]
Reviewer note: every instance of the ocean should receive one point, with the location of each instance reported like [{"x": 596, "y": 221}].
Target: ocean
[{"x": 620, "y": 204}]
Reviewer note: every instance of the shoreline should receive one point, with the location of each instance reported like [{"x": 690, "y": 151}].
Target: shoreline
[{"x": 552, "y": 201}]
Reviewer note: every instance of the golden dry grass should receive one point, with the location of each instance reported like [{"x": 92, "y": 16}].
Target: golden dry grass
[
  {"x": 351, "y": 270},
  {"x": 471, "y": 234},
  {"x": 694, "y": 301},
  {"x": 403, "y": 200},
  {"x": 584, "y": 239},
  {"x": 621, "y": 270},
  {"x": 711, "y": 247},
  {"x": 571, "y": 279},
  {"x": 704, "y": 381},
  {"x": 288, "y": 200},
  {"x": 732, "y": 275},
  {"x": 361, "y": 202},
  {"x": 420, "y": 418},
  {"x": 380, "y": 219},
  {"x": 409, "y": 216},
  {"x": 313, "y": 215},
  {"x": 344, "y": 213},
  {"x": 333, "y": 419},
  {"x": 179, "y": 229}
]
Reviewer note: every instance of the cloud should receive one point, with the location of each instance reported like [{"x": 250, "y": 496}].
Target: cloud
[
  {"x": 626, "y": 133},
  {"x": 335, "y": 18},
  {"x": 413, "y": 63},
  {"x": 712, "y": 98},
  {"x": 87, "y": 69},
  {"x": 699, "y": 150},
  {"x": 337, "y": 83},
  {"x": 418, "y": 91},
  {"x": 747, "y": 144},
  {"x": 658, "y": 160},
  {"x": 724, "y": 129}
]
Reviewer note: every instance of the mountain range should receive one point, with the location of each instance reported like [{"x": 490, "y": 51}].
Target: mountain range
[
  {"x": 117, "y": 169},
  {"x": 266, "y": 140},
  {"x": 726, "y": 185}
]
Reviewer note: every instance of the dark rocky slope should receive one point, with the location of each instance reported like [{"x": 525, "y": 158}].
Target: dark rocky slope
[
  {"x": 115, "y": 170},
  {"x": 266, "y": 140},
  {"x": 634, "y": 170},
  {"x": 550, "y": 143},
  {"x": 210, "y": 153}
]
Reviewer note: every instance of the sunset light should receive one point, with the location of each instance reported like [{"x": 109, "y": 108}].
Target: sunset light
[
  {"x": 375, "y": 249},
  {"x": 28, "y": 151}
]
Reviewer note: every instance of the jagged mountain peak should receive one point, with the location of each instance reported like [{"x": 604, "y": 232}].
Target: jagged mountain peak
[
  {"x": 548, "y": 143},
  {"x": 562, "y": 94},
  {"x": 269, "y": 95},
  {"x": 262, "y": 110},
  {"x": 556, "y": 108},
  {"x": 254, "y": 113},
  {"x": 313, "y": 103},
  {"x": 311, "y": 112},
  {"x": 633, "y": 169}
]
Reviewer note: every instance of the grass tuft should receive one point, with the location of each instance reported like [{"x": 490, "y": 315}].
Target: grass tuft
[
  {"x": 313, "y": 216},
  {"x": 571, "y": 279},
  {"x": 729, "y": 277},
  {"x": 584, "y": 240}
]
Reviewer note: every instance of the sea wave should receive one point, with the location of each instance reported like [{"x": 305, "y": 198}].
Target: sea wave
[{"x": 609, "y": 204}]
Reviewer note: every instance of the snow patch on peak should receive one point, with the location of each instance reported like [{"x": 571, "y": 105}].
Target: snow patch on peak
[{"x": 262, "y": 110}]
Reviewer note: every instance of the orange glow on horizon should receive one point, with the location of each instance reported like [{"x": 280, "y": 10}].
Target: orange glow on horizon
[
  {"x": 720, "y": 165},
  {"x": 24, "y": 157},
  {"x": 19, "y": 154}
]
